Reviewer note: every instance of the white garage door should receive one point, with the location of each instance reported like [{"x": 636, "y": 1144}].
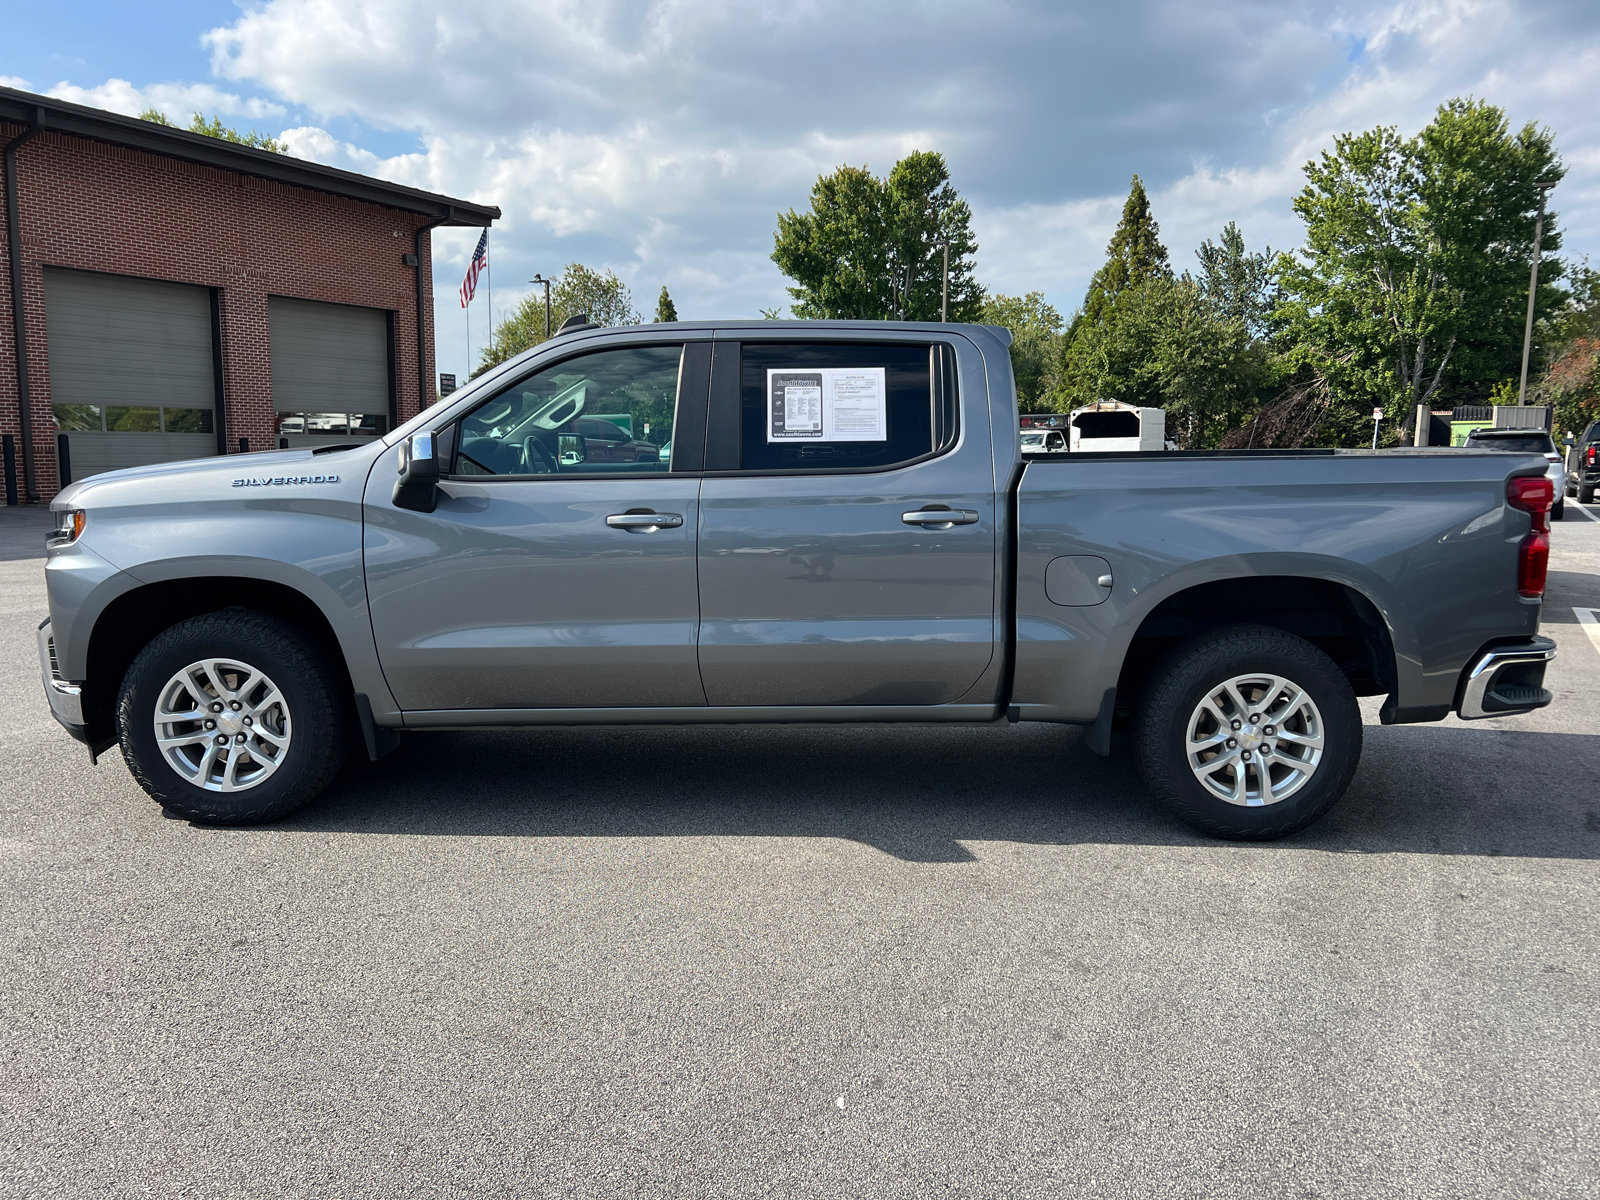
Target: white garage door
[
  {"x": 330, "y": 370},
  {"x": 131, "y": 375}
]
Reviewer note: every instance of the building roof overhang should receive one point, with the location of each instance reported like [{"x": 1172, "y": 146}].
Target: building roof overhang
[{"x": 58, "y": 116}]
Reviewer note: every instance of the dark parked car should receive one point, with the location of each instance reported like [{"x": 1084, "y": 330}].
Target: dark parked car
[{"x": 1585, "y": 474}]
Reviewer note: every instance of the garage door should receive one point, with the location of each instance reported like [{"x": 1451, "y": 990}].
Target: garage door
[
  {"x": 131, "y": 375},
  {"x": 331, "y": 375}
]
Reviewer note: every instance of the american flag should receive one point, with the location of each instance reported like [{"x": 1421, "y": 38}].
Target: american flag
[{"x": 480, "y": 261}]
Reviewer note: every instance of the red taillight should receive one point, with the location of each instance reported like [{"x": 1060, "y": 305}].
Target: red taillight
[
  {"x": 1589, "y": 454},
  {"x": 1533, "y": 560},
  {"x": 1532, "y": 494}
]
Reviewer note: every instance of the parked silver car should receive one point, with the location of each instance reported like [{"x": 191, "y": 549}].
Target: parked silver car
[{"x": 1527, "y": 441}]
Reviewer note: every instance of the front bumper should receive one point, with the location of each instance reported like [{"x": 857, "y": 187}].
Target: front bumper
[
  {"x": 65, "y": 697},
  {"x": 1506, "y": 680}
]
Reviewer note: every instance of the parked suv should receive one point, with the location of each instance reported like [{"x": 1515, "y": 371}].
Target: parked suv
[
  {"x": 1527, "y": 441},
  {"x": 1585, "y": 474}
]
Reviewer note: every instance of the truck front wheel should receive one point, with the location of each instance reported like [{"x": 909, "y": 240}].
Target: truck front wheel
[
  {"x": 230, "y": 718},
  {"x": 1248, "y": 733}
]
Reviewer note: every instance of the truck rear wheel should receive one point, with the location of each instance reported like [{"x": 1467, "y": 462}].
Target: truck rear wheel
[
  {"x": 230, "y": 718},
  {"x": 1248, "y": 733}
]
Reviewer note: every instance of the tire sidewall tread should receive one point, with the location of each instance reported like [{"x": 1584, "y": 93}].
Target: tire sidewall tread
[
  {"x": 316, "y": 749},
  {"x": 1201, "y": 662}
]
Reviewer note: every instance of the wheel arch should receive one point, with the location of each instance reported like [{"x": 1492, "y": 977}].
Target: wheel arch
[
  {"x": 1333, "y": 614},
  {"x": 130, "y": 620}
]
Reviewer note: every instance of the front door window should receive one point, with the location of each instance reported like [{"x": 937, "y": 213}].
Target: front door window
[{"x": 600, "y": 414}]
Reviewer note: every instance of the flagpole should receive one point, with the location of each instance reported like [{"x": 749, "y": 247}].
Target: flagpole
[{"x": 488, "y": 269}]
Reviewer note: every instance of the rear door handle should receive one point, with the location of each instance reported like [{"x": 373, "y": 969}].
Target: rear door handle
[
  {"x": 945, "y": 517},
  {"x": 644, "y": 520}
]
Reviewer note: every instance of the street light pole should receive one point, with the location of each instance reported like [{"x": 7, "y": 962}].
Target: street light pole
[
  {"x": 944, "y": 289},
  {"x": 1533, "y": 288},
  {"x": 541, "y": 279}
]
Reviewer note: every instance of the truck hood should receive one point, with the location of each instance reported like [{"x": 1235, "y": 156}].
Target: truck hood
[{"x": 141, "y": 483}]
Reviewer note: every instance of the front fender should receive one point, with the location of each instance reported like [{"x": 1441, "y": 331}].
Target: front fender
[{"x": 296, "y": 523}]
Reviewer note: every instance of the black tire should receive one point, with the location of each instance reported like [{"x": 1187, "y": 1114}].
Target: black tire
[
  {"x": 1204, "y": 663},
  {"x": 1585, "y": 493},
  {"x": 1559, "y": 510},
  {"x": 317, "y": 740}
]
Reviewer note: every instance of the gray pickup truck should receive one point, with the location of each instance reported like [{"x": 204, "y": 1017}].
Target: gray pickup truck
[{"x": 785, "y": 522}]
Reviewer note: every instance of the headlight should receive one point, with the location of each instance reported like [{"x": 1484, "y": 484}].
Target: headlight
[{"x": 69, "y": 525}]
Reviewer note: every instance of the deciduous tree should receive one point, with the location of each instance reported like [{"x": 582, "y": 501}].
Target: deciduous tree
[
  {"x": 1412, "y": 284},
  {"x": 873, "y": 249},
  {"x": 215, "y": 128},
  {"x": 1035, "y": 342},
  {"x": 599, "y": 295}
]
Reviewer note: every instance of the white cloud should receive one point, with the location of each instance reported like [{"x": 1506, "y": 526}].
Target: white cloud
[
  {"x": 11, "y": 81},
  {"x": 176, "y": 101},
  {"x": 660, "y": 137}
]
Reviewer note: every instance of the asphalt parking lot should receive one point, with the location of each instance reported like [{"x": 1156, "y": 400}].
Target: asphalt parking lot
[{"x": 899, "y": 962}]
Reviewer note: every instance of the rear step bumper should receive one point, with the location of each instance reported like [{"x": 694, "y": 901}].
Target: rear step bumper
[{"x": 1506, "y": 680}]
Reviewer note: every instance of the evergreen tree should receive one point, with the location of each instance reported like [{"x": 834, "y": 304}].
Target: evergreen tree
[
  {"x": 1134, "y": 257},
  {"x": 666, "y": 310}
]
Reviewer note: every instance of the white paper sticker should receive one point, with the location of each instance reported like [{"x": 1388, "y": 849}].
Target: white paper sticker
[{"x": 832, "y": 404}]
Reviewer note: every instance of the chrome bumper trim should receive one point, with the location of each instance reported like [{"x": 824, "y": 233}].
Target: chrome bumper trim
[
  {"x": 66, "y": 698},
  {"x": 1481, "y": 672}
]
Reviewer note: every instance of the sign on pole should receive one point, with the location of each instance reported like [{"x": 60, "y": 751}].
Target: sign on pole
[{"x": 1377, "y": 414}]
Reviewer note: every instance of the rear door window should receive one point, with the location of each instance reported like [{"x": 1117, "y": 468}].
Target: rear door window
[{"x": 819, "y": 406}]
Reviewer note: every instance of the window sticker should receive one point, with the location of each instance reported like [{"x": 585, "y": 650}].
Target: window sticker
[{"x": 835, "y": 404}]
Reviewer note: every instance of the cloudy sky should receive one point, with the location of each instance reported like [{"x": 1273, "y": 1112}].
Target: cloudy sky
[{"x": 660, "y": 139}]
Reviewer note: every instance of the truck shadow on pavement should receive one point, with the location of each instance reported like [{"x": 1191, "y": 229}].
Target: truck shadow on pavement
[{"x": 922, "y": 794}]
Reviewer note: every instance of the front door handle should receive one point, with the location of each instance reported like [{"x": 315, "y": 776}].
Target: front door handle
[
  {"x": 941, "y": 517},
  {"x": 644, "y": 520}
]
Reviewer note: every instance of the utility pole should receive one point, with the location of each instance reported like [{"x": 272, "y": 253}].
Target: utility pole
[
  {"x": 1533, "y": 288},
  {"x": 537, "y": 279},
  {"x": 944, "y": 289},
  {"x": 899, "y": 291}
]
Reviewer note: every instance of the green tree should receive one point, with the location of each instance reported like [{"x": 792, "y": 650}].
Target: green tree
[
  {"x": 666, "y": 310},
  {"x": 1035, "y": 342},
  {"x": 215, "y": 128},
  {"x": 1239, "y": 285},
  {"x": 1088, "y": 355},
  {"x": 578, "y": 290},
  {"x": 1413, "y": 280},
  {"x": 1168, "y": 348},
  {"x": 1571, "y": 379},
  {"x": 873, "y": 249},
  {"x": 1134, "y": 256}
]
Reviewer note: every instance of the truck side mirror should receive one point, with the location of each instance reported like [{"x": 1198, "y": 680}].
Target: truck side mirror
[{"x": 417, "y": 488}]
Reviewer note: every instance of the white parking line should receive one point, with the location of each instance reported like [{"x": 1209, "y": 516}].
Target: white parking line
[
  {"x": 1589, "y": 618},
  {"x": 1586, "y": 512}
]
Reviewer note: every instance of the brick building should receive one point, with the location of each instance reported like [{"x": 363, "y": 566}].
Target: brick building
[{"x": 177, "y": 295}]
